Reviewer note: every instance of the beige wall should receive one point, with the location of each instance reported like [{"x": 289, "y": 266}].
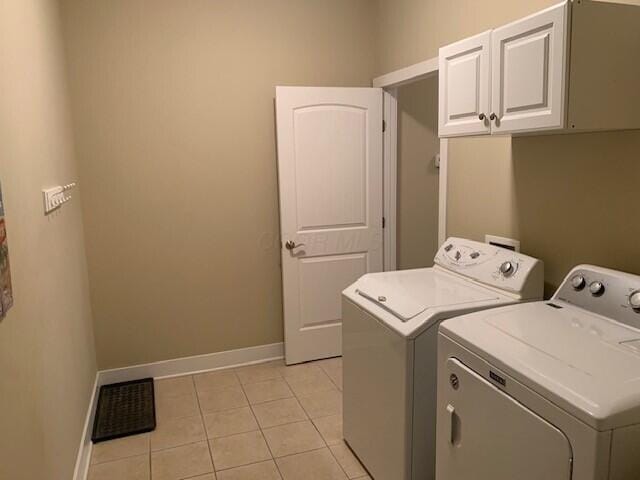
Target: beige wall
[
  {"x": 566, "y": 197},
  {"x": 47, "y": 360},
  {"x": 417, "y": 194},
  {"x": 173, "y": 117},
  {"x": 410, "y": 31},
  {"x": 174, "y": 120}
]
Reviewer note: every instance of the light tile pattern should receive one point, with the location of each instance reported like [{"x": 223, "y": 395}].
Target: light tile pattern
[
  {"x": 230, "y": 422},
  {"x": 330, "y": 428},
  {"x": 181, "y": 462},
  {"x": 262, "y": 422},
  {"x": 120, "y": 448},
  {"x": 293, "y": 438},
  {"x": 176, "y": 432},
  {"x": 130, "y": 468},
  {"x": 279, "y": 412},
  {"x": 268, "y": 390}
]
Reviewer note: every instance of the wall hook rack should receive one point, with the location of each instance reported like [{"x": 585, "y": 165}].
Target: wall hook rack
[{"x": 55, "y": 197}]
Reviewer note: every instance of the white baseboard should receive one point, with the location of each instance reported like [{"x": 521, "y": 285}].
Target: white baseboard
[
  {"x": 196, "y": 364},
  {"x": 84, "y": 452},
  {"x": 164, "y": 369}
]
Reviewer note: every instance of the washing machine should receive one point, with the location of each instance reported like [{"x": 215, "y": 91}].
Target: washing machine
[
  {"x": 390, "y": 336},
  {"x": 545, "y": 390}
]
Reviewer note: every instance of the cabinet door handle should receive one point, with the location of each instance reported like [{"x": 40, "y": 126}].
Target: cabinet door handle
[
  {"x": 482, "y": 116},
  {"x": 493, "y": 116}
]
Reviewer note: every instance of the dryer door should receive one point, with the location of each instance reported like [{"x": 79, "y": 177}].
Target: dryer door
[{"x": 484, "y": 434}]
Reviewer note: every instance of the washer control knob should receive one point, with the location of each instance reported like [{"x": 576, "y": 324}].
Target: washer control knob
[
  {"x": 578, "y": 282},
  {"x": 634, "y": 300},
  {"x": 596, "y": 288},
  {"x": 507, "y": 269}
]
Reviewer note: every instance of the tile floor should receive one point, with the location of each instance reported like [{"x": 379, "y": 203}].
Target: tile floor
[{"x": 262, "y": 422}]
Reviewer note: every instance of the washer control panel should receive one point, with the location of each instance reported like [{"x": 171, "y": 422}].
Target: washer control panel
[
  {"x": 494, "y": 266},
  {"x": 603, "y": 291}
]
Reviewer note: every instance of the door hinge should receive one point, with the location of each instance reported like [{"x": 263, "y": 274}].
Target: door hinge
[
  {"x": 384, "y": 126},
  {"x": 384, "y": 222}
]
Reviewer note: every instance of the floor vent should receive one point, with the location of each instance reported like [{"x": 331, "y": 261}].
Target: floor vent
[{"x": 124, "y": 409}]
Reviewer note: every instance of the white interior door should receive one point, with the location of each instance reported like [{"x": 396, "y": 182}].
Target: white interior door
[
  {"x": 529, "y": 60},
  {"x": 464, "y": 87},
  {"x": 330, "y": 180}
]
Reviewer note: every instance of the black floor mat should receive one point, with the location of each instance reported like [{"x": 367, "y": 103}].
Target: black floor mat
[{"x": 124, "y": 409}]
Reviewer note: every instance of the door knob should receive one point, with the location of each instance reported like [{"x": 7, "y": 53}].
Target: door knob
[{"x": 290, "y": 245}]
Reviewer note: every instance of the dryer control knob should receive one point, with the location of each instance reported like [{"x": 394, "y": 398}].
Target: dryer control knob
[
  {"x": 578, "y": 282},
  {"x": 596, "y": 288},
  {"x": 634, "y": 300},
  {"x": 507, "y": 269}
]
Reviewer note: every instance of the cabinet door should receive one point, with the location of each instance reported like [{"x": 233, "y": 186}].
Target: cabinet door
[
  {"x": 464, "y": 87},
  {"x": 484, "y": 434},
  {"x": 529, "y": 63}
]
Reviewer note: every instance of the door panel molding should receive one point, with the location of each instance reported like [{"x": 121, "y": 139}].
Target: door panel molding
[
  {"x": 330, "y": 175},
  {"x": 464, "y": 87},
  {"x": 529, "y": 72}
]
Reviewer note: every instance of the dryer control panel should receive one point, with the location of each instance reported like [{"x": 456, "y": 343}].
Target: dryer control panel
[
  {"x": 603, "y": 291},
  {"x": 507, "y": 270}
]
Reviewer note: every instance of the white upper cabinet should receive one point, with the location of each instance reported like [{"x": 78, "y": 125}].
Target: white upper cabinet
[
  {"x": 528, "y": 72},
  {"x": 572, "y": 67},
  {"x": 464, "y": 73}
]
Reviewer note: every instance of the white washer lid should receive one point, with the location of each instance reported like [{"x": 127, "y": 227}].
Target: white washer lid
[
  {"x": 407, "y": 293},
  {"x": 585, "y": 363}
]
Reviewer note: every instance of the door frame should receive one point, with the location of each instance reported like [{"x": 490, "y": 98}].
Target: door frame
[{"x": 390, "y": 83}]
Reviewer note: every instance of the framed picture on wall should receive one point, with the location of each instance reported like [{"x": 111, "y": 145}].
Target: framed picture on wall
[{"x": 6, "y": 292}]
